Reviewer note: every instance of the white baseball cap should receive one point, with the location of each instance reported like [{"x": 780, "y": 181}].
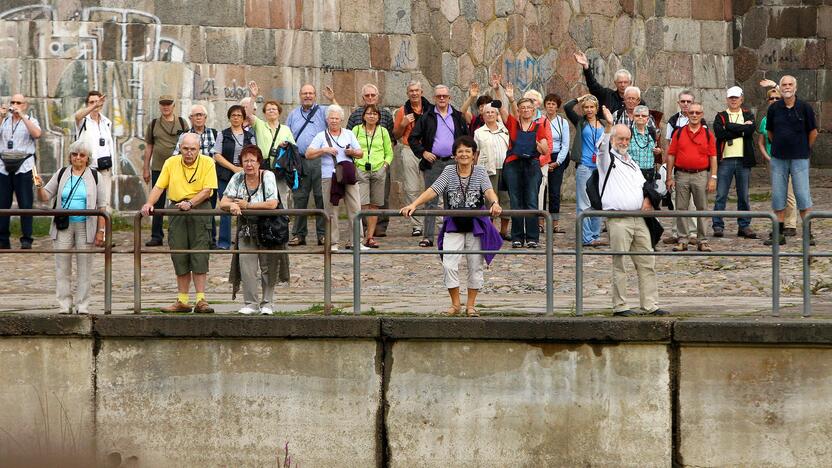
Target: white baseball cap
[{"x": 734, "y": 91}]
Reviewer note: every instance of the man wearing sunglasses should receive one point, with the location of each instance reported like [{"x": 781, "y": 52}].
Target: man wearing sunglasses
[
  {"x": 18, "y": 132},
  {"x": 677, "y": 120}
]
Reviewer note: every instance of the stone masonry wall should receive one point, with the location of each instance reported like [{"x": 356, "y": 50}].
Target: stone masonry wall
[{"x": 206, "y": 51}]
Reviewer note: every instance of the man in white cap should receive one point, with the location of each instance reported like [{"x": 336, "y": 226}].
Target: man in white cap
[{"x": 734, "y": 131}]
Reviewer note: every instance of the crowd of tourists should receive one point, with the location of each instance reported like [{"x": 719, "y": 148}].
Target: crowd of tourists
[{"x": 499, "y": 151}]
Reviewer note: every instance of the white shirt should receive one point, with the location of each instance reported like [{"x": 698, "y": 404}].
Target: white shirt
[
  {"x": 21, "y": 141},
  {"x": 492, "y": 145},
  {"x": 681, "y": 122},
  {"x": 92, "y": 132},
  {"x": 624, "y": 190}
]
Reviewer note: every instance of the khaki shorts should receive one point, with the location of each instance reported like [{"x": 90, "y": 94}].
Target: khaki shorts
[
  {"x": 371, "y": 186},
  {"x": 190, "y": 232}
]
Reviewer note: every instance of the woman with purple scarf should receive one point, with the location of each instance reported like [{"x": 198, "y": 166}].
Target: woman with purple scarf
[{"x": 464, "y": 186}]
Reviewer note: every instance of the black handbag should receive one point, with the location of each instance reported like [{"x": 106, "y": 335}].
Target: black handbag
[
  {"x": 272, "y": 231},
  {"x": 62, "y": 221},
  {"x": 105, "y": 163}
]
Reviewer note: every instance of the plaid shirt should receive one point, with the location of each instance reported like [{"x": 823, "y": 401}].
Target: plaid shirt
[
  {"x": 641, "y": 149},
  {"x": 621, "y": 117},
  {"x": 206, "y": 141},
  {"x": 385, "y": 119}
]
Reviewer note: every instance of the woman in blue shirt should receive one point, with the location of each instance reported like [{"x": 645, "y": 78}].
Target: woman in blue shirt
[{"x": 75, "y": 187}]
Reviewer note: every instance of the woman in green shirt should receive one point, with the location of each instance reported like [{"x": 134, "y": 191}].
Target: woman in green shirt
[{"x": 372, "y": 169}]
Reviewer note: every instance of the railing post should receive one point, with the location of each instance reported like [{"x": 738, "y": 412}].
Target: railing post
[
  {"x": 775, "y": 265},
  {"x": 137, "y": 263},
  {"x": 108, "y": 262},
  {"x": 807, "y": 278},
  {"x": 327, "y": 264},
  {"x": 356, "y": 263},
  {"x": 579, "y": 264},
  {"x": 550, "y": 267}
]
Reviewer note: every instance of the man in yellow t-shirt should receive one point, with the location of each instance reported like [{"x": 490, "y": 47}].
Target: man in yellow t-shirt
[{"x": 189, "y": 179}]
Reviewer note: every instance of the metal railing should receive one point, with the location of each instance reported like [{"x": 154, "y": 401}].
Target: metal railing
[
  {"x": 107, "y": 250},
  {"x": 775, "y": 246},
  {"x": 807, "y": 258},
  {"x": 547, "y": 250},
  {"x": 138, "y": 250}
]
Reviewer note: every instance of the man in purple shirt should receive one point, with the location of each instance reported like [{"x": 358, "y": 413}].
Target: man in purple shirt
[{"x": 431, "y": 141}]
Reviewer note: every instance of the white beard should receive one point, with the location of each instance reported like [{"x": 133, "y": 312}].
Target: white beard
[{"x": 622, "y": 151}]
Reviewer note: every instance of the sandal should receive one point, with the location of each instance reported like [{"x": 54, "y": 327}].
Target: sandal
[
  {"x": 680, "y": 247},
  {"x": 452, "y": 310},
  {"x": 426, "y": 243},
  {"x": 557, "y": 229},
  {"x": 704, "y": 247},
  {"x": 472, "y": 312},
  {"x": 415, "y": 232},
  {"x": 370, "y": 242}
]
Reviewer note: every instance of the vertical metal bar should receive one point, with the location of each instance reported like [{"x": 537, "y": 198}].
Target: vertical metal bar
[
  {"x": 775, "y": 266},
  {"x": 356, "y": 263},
  {"x": 327, "y": 263},
  {"x": 108, "y": 263},
  {"x": 137, "y": 263},
  {"x": 550, "y": 267},
  {"x": 579, "y": 264},
  {"x": 807, "y": 279}
]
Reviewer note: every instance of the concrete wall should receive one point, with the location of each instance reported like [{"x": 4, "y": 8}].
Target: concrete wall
[
  {"x": 363, "y": 391},
  {"x": 206, "y": 51}
]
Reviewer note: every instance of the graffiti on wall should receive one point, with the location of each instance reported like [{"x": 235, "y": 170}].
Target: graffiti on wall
[{"x": 527, "y": 72}]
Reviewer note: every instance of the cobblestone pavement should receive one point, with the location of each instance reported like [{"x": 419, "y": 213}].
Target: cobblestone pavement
[{"x": 515, "y": 285}]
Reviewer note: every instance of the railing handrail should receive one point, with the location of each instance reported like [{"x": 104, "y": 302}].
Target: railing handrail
[{"x": 807, "y": 280}]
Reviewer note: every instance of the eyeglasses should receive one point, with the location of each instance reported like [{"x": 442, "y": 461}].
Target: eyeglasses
[
  {"x": 685, "y": 101},
  {"x": 370, "y": 95},
  {"x": 641, "y": 116},
  {"x": 186, "y": 149},
  {"x": 77, "y": 155},
  {"x": 695, "y": 113},
  {"x": 371, "y": 113},
  {"x": 17, "y": 102},
  {"x": 237, "y": 115},
  {"x": 774, "y": 98},
  {"x": 442, "y": 96},
  {"x": 198, "y": 115}
]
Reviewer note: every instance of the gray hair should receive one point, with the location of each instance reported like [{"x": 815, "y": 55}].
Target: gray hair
[
  {"x": 441, "y": 86},
  {"x": 625, "y": 73},
  {"x": 196, "y": 107},
  {"x": 414, "y": 83},
  {"x": 632, "y": 89},
  {"x": 335, "y": 109},
  {"x": 371, "y": 86},
  {"x": 640, "y": 109},
  {"x": 534, "y": 95},
  {"x": 686, "y": 92},
  {"x": 81, "y": 146},
  {"x": 787, "y": 76}
]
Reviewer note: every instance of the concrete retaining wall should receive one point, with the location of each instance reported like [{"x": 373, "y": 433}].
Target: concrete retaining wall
[{"x": 363, "y": 391}]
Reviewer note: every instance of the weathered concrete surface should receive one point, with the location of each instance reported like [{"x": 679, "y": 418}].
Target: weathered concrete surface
[
  {"x": 518, "y": 404},
  {"x": 238, "y": 402},
  {"x": 46, "y": 397},
  {"x": 44, "y": 325},
  {"x": 753, "y": 331},
  {"x": 755, "y": 406}
]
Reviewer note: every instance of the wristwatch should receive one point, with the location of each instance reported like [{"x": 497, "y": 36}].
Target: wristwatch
[{"x": 713, "y": 177}]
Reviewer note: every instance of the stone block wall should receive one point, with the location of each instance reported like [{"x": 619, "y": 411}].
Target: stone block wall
[{"x": 205, "y": 52}]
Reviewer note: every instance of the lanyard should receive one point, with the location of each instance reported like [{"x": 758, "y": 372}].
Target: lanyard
[
  {"x": 196, "y": 169},
  {"x": 13, "y": 126},
  {"x": 443, "y": 120},
  {"x": 636, "y": 134},
  {"x": 369, "y": 141},
  {"x": 251, "y": 193},
  {"x": 558, "y": 127},
  {"x": 238, "y": 142},
  {"x": 337, "y": 143},
  {"x": 274, "y": 138},
  {"x": 72, "y": 188},
  {"x": 464, "y": 187}
]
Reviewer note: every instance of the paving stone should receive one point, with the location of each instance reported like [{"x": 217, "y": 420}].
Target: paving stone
[
  {"x": 755, "y": 27},
  {"x": 485, "y": 10},
  {"x": 363, "y": 16},
  {"x": 792, "y": 22},
  {"x": 715, "y": 36},
  {"x": 450, "y": 9},
  {"x": 681, "y": 35},
  {"x": 678, "y": 8},
  {"x": 460, "y": 36},
  {"x": 226, "y": 45},
  {"x": 516, "y": 32},
  {"x": 345, "y": 50},
  {"x": 450, "y": 68},
  {"x": 712, "y": 71},
  {"x": 496, "y": 35},
  {"x": 397, "y": 16},
  {"x": 476, "y": 50},
  {"x": 622, "y": 34},
  {"x": 259, "y": 48},
  {"x": 404, "y": 53},
  {"x": 441, "y": 30},
  {"x": 420, "y": 17},
  {"x": 202, "y": 12},
  {"x": 430, "y": 57},
  {"x": 503, "y": 7},
  {"x": 600, "y": 7},
  {"x": 709, "y": 10},
  {"x": 380, "y": 51},
  {"x": 745, "y": 63}
]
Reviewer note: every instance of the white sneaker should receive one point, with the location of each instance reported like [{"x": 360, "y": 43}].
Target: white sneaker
[
  {"x": 266, "y": 310},
  {"x": 334, "y": 248},
  {"x": 246, "y": 310},
  {"x": 364, "y": 247}
]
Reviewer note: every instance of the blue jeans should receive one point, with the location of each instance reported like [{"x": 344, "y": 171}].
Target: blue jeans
[
  {"x": 20, "y": 185},
  {"x": 224, "y": 240},
  {"x": 731, "y": 168},
  {"x": 523, "y": 179},
  {"x": 780, "y": 171},
  {"x": 591, "y": 226}
]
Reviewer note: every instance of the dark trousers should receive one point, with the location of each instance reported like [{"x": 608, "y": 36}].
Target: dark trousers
[
  {"x": 728, "y": 169},
  {"x": 310, "y": 183},
  {"x": 224, "y": 239},
  {"x": 554, "y": 186},
  {"x": 20, "y": 185},
  {"x": 156, "y": 232},
  {"x": 523, "y": 179}
]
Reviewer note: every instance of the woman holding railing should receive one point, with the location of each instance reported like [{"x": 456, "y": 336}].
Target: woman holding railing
[
  {"x": 464, "y": 186},
  {"x": 74, "y": 187}
]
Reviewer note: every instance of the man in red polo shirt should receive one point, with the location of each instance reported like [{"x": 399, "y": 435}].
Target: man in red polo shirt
[{"x": 692, "y": 153}]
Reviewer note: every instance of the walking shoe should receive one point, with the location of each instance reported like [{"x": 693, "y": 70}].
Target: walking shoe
[
  {"x": 321, "y": 240},
  {"x": 625, "y": 313},
  {"x": 266, "y": 310},
  {"x": 748, "y": 233},
  {"x": 790, "y": 232},
  {"x": 297, "y": 240},
  {"x": 680, "y": 247},
  {"x": 532, "y": 245},
  {"x": 247, "y": 310},
  {"x": 26, "y": 245},
  {"x": 704, "y": 246},
  {"x": 415, "y": 232},
  {"x": 812, "y": 240},
  {"x": 516, "y": 245},
  {"x": 177, "y": 307},
  {"x": 693, "y": 240},
  {"x": 426, "y": 243},
  {"x": 670, "y": 240},
  {"x": 597, "y": 243},
  {"x": 333, "y": 248},
  {"x": 202, "y": 307},
  {"x": 153, "y": 243},
  {"x": 770, "y": 240},
  {"x": 660, "y": 312},
  {"x": 719, "y": 232}
]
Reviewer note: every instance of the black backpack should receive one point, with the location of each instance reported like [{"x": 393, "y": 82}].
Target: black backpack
[{"x": 592, "y": 186}]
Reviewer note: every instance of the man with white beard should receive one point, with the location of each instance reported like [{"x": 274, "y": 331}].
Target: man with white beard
[{"x": 623, "y": 190}]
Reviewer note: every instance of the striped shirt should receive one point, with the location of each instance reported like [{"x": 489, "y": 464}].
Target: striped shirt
[{"x": 462, "y": 193}]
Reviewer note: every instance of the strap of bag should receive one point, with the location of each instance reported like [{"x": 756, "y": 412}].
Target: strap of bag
[
  {"x": 71, "y": 190},
  {"x": 607, "y": 177},
  {"x": 263, "y": 188},
  {"x": 308, "y": 119}
]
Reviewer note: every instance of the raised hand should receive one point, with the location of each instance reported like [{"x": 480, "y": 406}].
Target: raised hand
[
  {"x": 329, "y": 93},
  {"x": 253, "y": 89},
  {"x": 474, "y": 90},
  {"x": 495, "y": 81},
  {"x": 510, "y": 92},
  {"x": 766, "y": 83},
  {"x": 580, "y": 57},
  {"x": 607, "y": 114}
]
